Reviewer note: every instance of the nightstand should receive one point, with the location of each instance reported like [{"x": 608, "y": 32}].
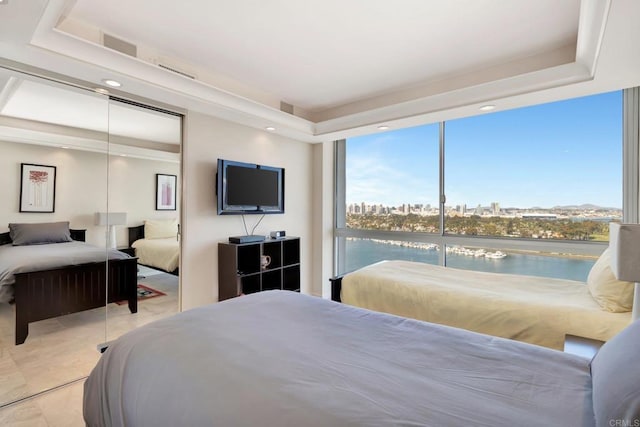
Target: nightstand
[
  {"x": 127, "y": 250},
  {"x": 581, "y": 346}
]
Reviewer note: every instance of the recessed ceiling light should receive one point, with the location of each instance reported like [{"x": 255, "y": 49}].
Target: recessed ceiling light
[
  {"x": 123, "y": 155},
  {"x": 270, "y": 128},
  {"x": 487, "y": 107},
  {"x": 112, "y": 83},
  {"x": 64, "y": 146},
  {"x": 383, "y": 127},
  {"x": 101, "y": 90}
]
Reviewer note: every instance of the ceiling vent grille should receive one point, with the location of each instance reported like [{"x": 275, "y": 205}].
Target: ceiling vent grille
[
  {"x": 120, "y": 45},
  {"x": 287, "y": 108},
  {"x": 173, "y": 70}
]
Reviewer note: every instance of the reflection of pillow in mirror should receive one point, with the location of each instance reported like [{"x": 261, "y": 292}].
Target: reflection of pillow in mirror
[
  {"x": 39, "y": 233},
  {"x": 613, "y": 295},
  {"x": 160, "y": 229}
]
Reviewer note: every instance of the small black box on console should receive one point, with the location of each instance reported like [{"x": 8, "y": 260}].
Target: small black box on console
[{"x": 253, "y": 238}]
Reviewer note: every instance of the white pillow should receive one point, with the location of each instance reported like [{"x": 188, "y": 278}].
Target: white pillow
[
  {"x": 160, "y": 229},
  {"x": 612, "y": 294},
  {"x": 614, "y": 379}
]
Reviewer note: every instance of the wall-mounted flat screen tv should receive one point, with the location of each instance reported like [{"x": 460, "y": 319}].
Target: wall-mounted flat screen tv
[{"x": 246, "y": 188}]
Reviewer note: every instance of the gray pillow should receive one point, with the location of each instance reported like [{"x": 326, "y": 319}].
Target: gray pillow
[
  {"x": 615, "y": 377},
  {"x": 39, "y": 233}
]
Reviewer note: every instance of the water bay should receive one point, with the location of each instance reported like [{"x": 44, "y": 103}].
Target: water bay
[{"x": 361, "y": 252}]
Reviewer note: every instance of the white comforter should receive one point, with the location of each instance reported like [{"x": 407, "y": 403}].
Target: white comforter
[
  {"x": 160, "y": 253},
  {"x": 22, "y": 259},
  {"x": 279, "y": 358},
  {"x": 537, "y": 310}
]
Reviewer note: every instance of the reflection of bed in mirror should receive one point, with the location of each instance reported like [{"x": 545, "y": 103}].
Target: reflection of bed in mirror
[
  {"x": 156, "y": 245},
  {"x": 47, "y": 280}
]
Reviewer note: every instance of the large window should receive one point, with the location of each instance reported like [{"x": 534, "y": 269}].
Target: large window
[
  {"x": 528, "y": 191},
  {"x": 392, "y": 180}
]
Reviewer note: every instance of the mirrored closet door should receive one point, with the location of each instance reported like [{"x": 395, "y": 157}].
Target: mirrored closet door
[
  {"x": 54, "y": 165},
  {"x": 103, "y": 173},
  {"x": 144, "y": 202}
]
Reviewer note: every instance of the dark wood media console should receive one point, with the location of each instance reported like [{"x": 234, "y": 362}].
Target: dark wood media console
[{"x": 240, "y": 270}]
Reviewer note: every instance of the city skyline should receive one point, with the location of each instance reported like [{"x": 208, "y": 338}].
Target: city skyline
[
  {"x": 559, "y": 154},
  {"x": 492, "y": 209}
]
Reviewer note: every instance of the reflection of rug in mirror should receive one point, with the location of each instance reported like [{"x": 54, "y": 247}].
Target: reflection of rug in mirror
[{"x": 144, "y": 292}]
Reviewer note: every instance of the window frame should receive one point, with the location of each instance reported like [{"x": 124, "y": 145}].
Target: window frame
[{"x": 630, "y": 194}]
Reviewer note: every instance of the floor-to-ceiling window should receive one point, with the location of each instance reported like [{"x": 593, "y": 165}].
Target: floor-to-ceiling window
[
  {"x": 392, "y": 185},
  {"x": 526, "y": 191}
]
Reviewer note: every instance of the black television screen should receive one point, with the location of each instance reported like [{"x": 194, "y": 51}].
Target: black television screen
[{"x": 246, "y": 188}]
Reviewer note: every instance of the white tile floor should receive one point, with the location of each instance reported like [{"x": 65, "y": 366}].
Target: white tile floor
[
  {"x": 63, "y": 349},
  {"x": 60, "y": 407}
]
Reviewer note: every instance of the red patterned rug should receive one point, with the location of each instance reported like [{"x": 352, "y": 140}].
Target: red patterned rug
[{"x": 144, "y": 292}]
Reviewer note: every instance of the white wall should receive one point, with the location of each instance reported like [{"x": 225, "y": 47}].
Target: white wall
[
  {"x": 132, "y": 189},
  {"x": 81, "y": 187},
  {"x": 207, "y": 139},
  {"x": 323, "y": 218}
]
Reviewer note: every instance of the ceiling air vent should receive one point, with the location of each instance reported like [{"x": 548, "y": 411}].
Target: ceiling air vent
[
  {"x": 173, "y": 70},
  {"x": 119, "y": 45},
  {"x": 287, "y": 108}
]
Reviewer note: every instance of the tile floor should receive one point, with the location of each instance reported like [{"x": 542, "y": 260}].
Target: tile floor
[
  {"x": 63, "y": 349},
  {"x": 60, "y": 407}
]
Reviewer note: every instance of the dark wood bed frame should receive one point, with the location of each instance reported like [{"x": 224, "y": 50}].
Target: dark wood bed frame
[
  {"x": 136, "y": 233},
  {"x": 51, "y": 293},
  {"x": 336, "y": 288}
]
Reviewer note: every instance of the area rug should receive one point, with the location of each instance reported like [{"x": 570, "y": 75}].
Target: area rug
[{"x": 144, "y": 293}]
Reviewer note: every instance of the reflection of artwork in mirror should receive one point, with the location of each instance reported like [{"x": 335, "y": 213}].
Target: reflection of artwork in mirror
[
  {"x": 165, "y": 192},
  {"x": 37, "y": 188}
]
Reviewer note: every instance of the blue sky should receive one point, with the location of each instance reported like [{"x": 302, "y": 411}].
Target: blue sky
[{"x": 562, "y": 153}]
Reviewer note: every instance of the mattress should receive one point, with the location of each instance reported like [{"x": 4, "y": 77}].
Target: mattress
[
  {"x": 23, "y": 259},
  {"x": 279, "y": 358},
  {"x": 160, "y": 253},
  {"x": 537, "y": 310}
]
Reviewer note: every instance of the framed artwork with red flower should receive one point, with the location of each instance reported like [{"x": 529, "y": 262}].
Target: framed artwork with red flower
[{"x": 37, "y": 188}]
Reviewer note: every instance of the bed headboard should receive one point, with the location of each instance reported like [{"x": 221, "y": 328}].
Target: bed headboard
[
  {"x": 77, "y": 235},
  {"x": 136, "y": 233}
]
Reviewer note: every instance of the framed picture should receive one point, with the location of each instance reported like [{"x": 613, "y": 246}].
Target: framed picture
[
  {"x": 165, "y": 192},
  {"x": 37, "y": 188}
]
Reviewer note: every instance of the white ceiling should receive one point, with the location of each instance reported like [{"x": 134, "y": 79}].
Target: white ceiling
[
  {"x": 320, "y": 54},
  {"x": 346, "y": 66}
]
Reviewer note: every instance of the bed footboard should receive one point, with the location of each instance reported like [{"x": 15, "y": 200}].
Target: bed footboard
[{"x": 45, "y": 294}]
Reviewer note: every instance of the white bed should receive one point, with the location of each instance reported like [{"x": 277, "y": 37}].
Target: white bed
[
  {"x": 47, "y": 270},
  {"x": 536, "y": 310},
  {"x": 279, "y": 358},
  {"x": 160, "y": 253},
  {"x": 156, "y": 244}
]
